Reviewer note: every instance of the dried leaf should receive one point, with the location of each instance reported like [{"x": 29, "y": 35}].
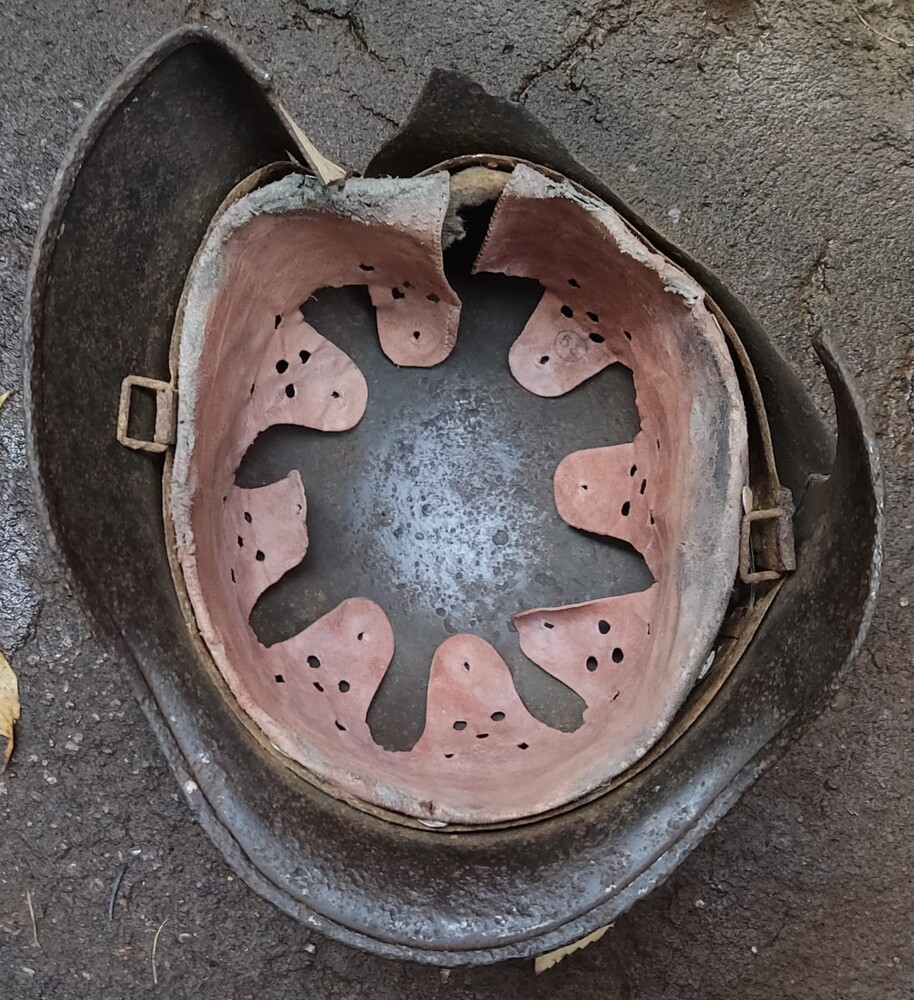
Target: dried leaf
[
  {"x": 544, "y": 962},
  {"x": 9, "y": 707}
]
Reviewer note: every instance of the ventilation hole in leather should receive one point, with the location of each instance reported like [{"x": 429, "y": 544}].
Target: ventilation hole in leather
[
  {"x": 497, "y": 716},
  {"x": 314, "y": 662},
  {"x": 573, "y": 283},
  {"x": 304, "y": 355},
  {"x": 366, "y": 267},
  {"x": 460, "y": 724},
  {"x": 567, "y": 311},
  {"x": 252, "y": 387},
  {"x": 290, "y": 390},
  {"x": 448, "y": 756},
  {"x": 397, "y": 294},
  {"x": 643, "y": 487},
  {"x": 432, "y": 297},
  {"x": 628, "y": 336},
  {"x": 584, "y": 486},
  {"x": 339, "y": 725},
  {"x": 604, "y": 626},
  {"x": 626, "y": 507},
  {"x": 523, "y": 746},
  {"x": 233, "y": 575},
  {"x": 482, "y": 736},
  {"x": 279, "y": 679},
  {"x": 466, "y": 665},
  {"x": 416, "y": 334},
  {"x": 593, "y": 317},
  {"x": 652, "y": 518},
  {"x": 597, "y": 338},
  {"x": 360, "y": 636},
  {"x": 247, "y": 517},
  {"x": 544, "y": 359},
  {"x": 548, "y": 625},
  {"x": 592, "y": 663},
  {"x": 633, "y": 470},
  {"x": 618, "y": 655},
  {"x": 240, "y": 542},
  {"x": 282, "y": 365},
  {"x": 616, "y": 695},
  {"x": 344, "y": 686},
  {"x": 259, "y": 556},
  {"x": 276, "y": 321},
  {"x": 335, "y": 394},
  {"x": 319, "y": 686}
]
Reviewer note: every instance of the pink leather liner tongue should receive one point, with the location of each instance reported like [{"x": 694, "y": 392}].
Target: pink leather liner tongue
[
  {"x": 333, "y": 668},
  {"x": 560, "y": 347},
  {"x": 613, "y": 491},
  {"x": 304, "y": 379},
  {"x": 264, "y": 536},
  {"x": 598, "y": 649},
  {"x": 416, "y": 328},
  {"x": 473, "y": 712}
]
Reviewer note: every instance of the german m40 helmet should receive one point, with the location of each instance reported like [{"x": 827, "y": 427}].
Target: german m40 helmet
[{"x": 474, "y": 547}]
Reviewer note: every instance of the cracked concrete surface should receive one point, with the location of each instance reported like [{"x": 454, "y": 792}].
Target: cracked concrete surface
[
  {"x": 606, "y": 19},
  {"x": 774, "y": 139}
]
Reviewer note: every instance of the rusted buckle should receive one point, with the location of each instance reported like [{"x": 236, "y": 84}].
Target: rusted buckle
[
  {"x": 768, "y": 552},
  {"x": 164, "y": 430}
]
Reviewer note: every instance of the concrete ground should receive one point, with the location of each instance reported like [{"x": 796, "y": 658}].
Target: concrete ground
[{"x": 774, "y": 139}]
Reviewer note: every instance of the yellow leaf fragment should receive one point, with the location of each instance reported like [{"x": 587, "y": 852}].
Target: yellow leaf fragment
[
  {"x": 542, "y": 963},
  {"x": 9, "y": 708},
  {"x": 4, "y": 396}
]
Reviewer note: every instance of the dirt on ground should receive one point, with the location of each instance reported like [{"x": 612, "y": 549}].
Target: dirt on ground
[{"x": 772, "y": 138}]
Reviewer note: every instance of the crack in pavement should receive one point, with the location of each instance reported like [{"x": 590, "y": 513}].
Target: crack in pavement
[
  {"x": 813, "y": 289},
  {"x": 591, "y": 37},
  {"x": 380, "y": 115},
  {"x": 350, "y": 18}
]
